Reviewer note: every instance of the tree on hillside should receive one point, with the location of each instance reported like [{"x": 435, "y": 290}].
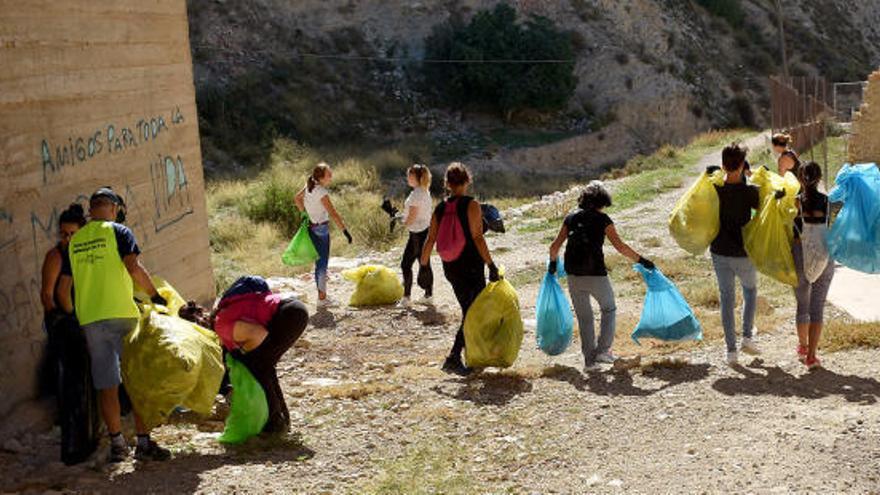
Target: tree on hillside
[{"x": 495, "y": 35}]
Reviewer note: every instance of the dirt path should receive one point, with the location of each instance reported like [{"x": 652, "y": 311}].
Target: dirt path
[{"x": 372, "y": 412}]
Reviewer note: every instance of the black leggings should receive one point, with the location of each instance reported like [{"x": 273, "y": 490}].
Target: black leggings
[
  {"x": 467, "y": 285},
  {"x": 411, "y": 255},
  {"x": 285, "y": 327}
]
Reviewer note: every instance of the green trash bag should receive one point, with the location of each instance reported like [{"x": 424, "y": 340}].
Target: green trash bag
[
  {"x": 301, "y": 250},
  {"x": 249, "y": 410},
  {"x": 169, "y": 362},
  {"x": 493, "y": 327},
  {"x": 695, "y": 220},
  {"x": 377, "y": 285}
]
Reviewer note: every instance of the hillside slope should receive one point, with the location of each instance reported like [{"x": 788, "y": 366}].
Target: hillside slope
[{"x": 650, "y": 72}]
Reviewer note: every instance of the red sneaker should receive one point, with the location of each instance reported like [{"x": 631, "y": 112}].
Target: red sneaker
[
  {"x": 813, "y": 363},
  {"x": 802, "y": 353}
]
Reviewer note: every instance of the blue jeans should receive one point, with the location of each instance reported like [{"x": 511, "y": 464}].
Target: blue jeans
[
  {"x": 320, "y": 235},
  {"x": 727, "y": 269}
]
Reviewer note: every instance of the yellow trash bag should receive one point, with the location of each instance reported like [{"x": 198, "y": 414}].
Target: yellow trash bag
[
  {"x": 695, "y": 220},
  {"x": 169, "y": 362},
  {"x": 175, "y": 301},
  {"x": 493, "y": 328},
  {"x": 769, "y": 236},
  {"x": 376, "y": 285}
]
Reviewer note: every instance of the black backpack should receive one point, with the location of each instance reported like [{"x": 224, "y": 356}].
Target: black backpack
[{"x": 245, "y": 285}]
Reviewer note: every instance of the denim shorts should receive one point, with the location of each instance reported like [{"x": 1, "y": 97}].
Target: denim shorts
[{"x": 104, "y": 339}]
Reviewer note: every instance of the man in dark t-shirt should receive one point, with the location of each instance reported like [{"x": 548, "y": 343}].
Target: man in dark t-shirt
[{"x": 737, "y": 200}]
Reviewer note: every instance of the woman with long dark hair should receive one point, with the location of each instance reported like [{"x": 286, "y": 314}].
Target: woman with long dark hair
[{"x": 810, "y": 295}]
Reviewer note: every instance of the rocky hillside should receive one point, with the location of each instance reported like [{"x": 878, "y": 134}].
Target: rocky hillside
[{"x": 649, "y": 72}]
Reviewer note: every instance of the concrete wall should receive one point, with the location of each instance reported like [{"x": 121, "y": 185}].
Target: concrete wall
[
  {"x": 864, "y": 147},
  {"x": 92, "y": 94}
]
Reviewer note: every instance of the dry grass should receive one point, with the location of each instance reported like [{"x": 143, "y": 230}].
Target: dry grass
[
  {"x": 842, "y": 335},
  {"x": 357, "y": 391}
]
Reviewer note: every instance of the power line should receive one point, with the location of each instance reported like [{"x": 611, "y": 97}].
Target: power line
[{"x": 367, "y": 58}]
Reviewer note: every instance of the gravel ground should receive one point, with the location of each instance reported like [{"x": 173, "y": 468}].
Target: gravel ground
[{"x": 372, "y": 412}]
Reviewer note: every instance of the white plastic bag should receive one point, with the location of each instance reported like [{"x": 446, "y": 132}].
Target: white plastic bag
[{"x": 815, "y": 249}]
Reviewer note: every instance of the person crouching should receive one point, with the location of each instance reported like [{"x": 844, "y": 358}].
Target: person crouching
[{"x": 257, "y": 328}]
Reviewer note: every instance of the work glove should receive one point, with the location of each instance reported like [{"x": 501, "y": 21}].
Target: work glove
[
  {"x": 347, "y": 235},
  {"x": 425, "y": 278},
  {"x": 159, "y": 300},
  {"x": 646, "y": 263},
  {"x": 780, "y": 194},
  {"x": 551, "y": 268},
  {"x": 494, "y": 276},
  {"x": 388, "y": 208}
]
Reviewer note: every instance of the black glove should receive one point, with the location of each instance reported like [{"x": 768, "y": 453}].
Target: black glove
[
  {"x": 347, "y": 235},
  {"x": 711, "y": 169},
  {"x": 780, "y": 194},
  {"x": 388, "y": 208},
  {"x": 494, "y": 276},
  {"x": 158, "y": 299},
  {"x": 425, "y": 278},
  {"x": 646, "y": 263},
  {"x": 551, "y": 268}
]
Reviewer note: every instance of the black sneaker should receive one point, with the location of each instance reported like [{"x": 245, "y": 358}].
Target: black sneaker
[
  {"x": 456, "y": 367},
  {"x": 152, "y": 452},
  {"x": 118, "y": 453}
]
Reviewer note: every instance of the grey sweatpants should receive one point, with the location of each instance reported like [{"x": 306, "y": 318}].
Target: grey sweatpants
[{"x": 581, "y": 289}]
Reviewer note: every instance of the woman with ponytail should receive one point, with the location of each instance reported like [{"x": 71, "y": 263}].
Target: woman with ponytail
[
  {"x": 69, "y": 222},
  {"x": 810, "y": 295},
  {"x": 314, "y": 199},
  {"x": 417, "y": 212}
]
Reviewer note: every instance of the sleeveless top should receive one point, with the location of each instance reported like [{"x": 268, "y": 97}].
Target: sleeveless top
[{"x": 470, "y": 258}]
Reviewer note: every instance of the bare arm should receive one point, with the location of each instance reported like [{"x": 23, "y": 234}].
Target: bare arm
[
  {"x": 332, "y": 211},
  {"x": 619, "y": 245},
  {"x": 299, "y": 200},
  {"x": 429, "y": 242},
  {"x": 475, "y": 220},
  {"x": 65, "y": 283},
  {"x": 139, "y": 274},
  {"x": 557, "y": 243},
  {"x": 51, "y": 272}
]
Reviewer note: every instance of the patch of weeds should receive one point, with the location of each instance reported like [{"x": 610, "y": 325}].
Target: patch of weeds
[
  {"x": 357, "y": 391},
  {"x": 840, "y": 335},
  {"x": 431, "y": 466}
]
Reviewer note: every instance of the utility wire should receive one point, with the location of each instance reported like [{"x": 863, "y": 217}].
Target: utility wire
[{"x": 365, "y": 58}]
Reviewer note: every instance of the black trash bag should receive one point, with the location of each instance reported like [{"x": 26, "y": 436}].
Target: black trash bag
[
  {"x": 77, "y": 398},
  {"x": 492, "y": 220}
]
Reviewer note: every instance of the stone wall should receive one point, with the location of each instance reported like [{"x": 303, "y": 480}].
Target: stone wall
[
  {"x": 864, "y": 146},
  {"x": 93, "y": 94}
]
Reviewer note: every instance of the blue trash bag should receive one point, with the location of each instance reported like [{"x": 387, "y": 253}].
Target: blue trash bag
[
  {"x": 555, "y": 320},
  {"x": 665, "y": 315},
  {"x": 854, "y": 238}
]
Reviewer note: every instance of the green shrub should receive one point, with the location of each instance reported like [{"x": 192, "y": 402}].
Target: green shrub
[
  {"x": 496, "y": 35},
  {"x": 729, "y": 10}
]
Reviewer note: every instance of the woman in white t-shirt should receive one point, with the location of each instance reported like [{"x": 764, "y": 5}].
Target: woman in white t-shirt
[
  {"x": 314, "y": 199},
  {"x": 417, "y": 211}
]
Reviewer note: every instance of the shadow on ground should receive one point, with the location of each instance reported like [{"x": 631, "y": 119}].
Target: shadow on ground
[
  {"x": 815, "y": 384},
  {"x": 189, "y": 469},
  {"x": 620, "y": 382},
  {"x": 489, "y": 389}
]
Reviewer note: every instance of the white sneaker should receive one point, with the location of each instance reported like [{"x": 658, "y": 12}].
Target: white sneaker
[
  {"x": 325, "y": 303},
  {"x": 403, "y": 303},
  {"x": 732, "y": 358},
  {"x": 749, "y": 346},
  {"x": 606, "y": 357},
  {"x": 592, "y": 367}
]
